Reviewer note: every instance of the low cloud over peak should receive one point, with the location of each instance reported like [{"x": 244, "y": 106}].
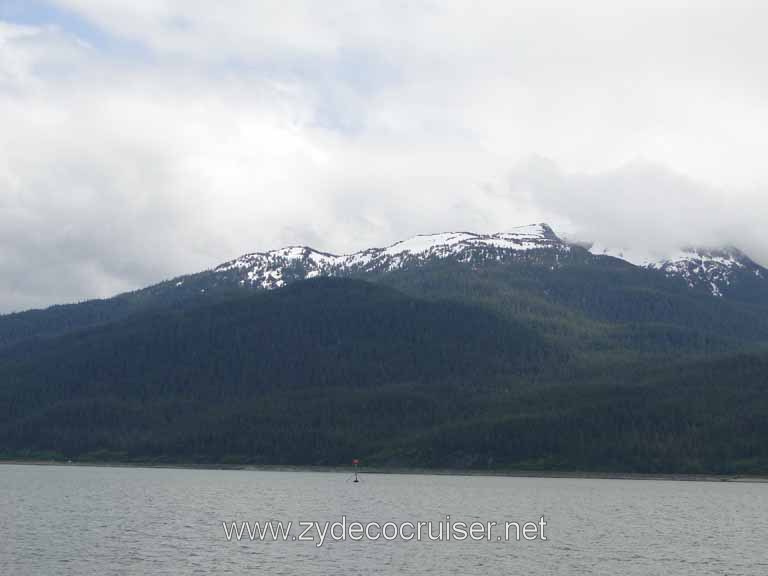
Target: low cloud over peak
[{"x": 644, "y": 206}]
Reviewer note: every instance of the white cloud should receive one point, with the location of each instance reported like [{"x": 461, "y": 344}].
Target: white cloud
[
  {"x": 349, "y": 124},
  {"x": 644, "y": 207}
]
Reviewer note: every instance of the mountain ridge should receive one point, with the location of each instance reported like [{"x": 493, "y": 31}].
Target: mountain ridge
[
  {"x": 728, "y": 275},
  {"x": 713, "y": 269},
  {"x": 268, "y": 269}
]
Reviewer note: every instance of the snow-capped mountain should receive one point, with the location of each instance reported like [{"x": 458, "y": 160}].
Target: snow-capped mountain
[
  {"x": 276, "y": 268},
  {"x": 725, "y": 272},
  {"x": 718, "y": 271}
]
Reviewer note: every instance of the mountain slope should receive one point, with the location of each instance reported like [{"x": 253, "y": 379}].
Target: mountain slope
[
  {"x": 142, "y": 385},
  {"x": 593, "y": 304},
  {"x": 330, "y": 369},
  {"x": 696, "y": 417}
]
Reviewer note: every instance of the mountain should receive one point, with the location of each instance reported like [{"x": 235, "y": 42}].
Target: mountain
[
  {"x": 325, "y": 370},
  {"x": 514, "y": 350},
  {"x": 275, "y": 269},
  {"x": 725, "y": 272},
  {"x": 181, "y": 383}
]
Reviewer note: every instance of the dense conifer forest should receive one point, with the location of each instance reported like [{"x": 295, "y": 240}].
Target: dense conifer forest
[{"x": 510, "y": 365}]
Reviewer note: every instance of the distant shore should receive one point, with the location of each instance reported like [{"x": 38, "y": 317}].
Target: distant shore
[{"x": 413, "y": 471}]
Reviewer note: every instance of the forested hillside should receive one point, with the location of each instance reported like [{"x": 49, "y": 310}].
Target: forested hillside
[{"x": 505, "y": 365}]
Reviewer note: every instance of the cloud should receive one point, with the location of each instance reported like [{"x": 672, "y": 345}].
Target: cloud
[
  {"x": 354, "y": 124},
  {"x": 642, "y": 206}
]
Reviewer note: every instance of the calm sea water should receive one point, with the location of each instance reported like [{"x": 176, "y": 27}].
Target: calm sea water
[{"x": 94, "y": 521}]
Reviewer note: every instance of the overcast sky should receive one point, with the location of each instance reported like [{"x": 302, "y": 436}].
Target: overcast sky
[{"x": 142, "y": 139}]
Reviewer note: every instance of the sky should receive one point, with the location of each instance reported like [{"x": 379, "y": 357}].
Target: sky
[{"x": 143, "y": 139}]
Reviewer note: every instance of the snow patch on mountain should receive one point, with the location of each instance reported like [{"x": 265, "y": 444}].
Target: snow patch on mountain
[{"x": 636, "y": 256}]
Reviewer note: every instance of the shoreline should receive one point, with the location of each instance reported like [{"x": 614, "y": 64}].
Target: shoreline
[{"x": 584, "y": 475}]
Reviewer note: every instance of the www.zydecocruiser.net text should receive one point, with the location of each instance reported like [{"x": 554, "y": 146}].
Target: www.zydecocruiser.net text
[{"x": 343, "y": 530}]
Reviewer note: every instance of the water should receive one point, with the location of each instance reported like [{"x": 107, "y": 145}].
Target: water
[{"x": 82, "y": 521}]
